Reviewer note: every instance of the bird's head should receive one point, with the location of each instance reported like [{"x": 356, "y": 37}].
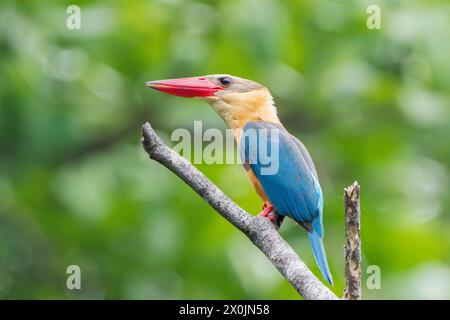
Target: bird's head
[{"x": 236, "y": 99}]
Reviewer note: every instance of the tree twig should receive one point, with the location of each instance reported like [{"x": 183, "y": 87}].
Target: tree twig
[
  {"x": 258, "y": 229},
  {"x": 352, "y": 247}
]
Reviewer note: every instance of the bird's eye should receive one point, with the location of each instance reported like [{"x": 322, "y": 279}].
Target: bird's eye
[{"x": 225, "y": 81}]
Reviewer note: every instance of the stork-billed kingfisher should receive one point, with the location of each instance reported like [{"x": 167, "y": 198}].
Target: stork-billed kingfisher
[{"x": 294, "y": 189}]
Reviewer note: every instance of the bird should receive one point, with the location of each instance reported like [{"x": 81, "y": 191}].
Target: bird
[{"x": 246, "y": 106}]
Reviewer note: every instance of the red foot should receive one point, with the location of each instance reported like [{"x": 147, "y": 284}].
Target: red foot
[{"x": 268, "y": 208}]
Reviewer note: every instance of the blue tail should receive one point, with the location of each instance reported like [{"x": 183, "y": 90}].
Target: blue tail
[{"x": 319, "y": 254}]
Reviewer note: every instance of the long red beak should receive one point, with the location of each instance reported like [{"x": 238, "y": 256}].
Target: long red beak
[{"x": 186, "y": 87}]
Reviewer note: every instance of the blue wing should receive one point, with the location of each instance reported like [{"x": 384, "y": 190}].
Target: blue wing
[
  {"x": 288, "y": 177},
  {"x": 286, "y": 173}
]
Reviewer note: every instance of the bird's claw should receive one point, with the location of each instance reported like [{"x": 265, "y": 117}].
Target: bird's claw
[
  {"x": 270, "y": 213},
  {"x": 267, "y": 209},
  {"x": 266, "y": 213}
]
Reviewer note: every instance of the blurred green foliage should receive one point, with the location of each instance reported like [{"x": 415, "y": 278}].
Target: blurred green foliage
[{"x": 77, "y": 188}]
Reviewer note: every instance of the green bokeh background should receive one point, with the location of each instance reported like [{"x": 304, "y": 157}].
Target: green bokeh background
[{"x": 77, "y": 188}]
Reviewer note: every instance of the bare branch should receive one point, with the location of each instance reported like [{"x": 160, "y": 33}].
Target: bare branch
[
  {"x": 258, "y": 229},
  {"x": 352, "y": 247}
]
